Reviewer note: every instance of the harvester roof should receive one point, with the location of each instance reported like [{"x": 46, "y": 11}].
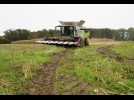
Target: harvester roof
[{"x": 72, "y": 23}]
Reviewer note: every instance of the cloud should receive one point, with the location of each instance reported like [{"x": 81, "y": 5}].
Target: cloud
[{"x": 39, "y": 16}]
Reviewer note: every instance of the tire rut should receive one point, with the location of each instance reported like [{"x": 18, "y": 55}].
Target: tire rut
[
  {"x": 113, "y": 55},
  {"x": 43, "y": 84}
]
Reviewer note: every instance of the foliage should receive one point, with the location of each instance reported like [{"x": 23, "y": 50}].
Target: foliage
[
  {"x": 3, "y": 40},
  {"x": 116, "y": 34},
  {"x": 18, "y": 34},
  {"x": 23, "y": 34}
]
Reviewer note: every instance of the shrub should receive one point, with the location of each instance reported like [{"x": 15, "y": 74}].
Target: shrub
[{"x": 4, "y": 41}]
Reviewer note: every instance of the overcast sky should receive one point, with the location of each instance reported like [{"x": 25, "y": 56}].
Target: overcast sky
[{"x": 39, "y": 16}]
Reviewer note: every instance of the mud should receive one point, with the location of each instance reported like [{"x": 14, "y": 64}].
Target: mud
[
  {"x": 43, "y": 84},
  {"x": 106, "y": 51}
]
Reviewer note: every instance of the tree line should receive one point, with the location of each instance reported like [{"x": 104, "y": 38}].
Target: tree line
[
  {"x": 116, "y": 34},
  {"x": 24, "y": 34}
]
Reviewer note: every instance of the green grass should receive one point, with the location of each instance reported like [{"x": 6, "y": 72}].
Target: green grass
[
  {"x": 102, "y": 74},
  {"x": 82, "y": 71},
  {"x": 125, "y": 49},
  {"x": 19, "y": 63}
]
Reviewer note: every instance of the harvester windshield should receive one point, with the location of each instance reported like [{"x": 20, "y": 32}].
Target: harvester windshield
[{"x": 65, "y": 30}]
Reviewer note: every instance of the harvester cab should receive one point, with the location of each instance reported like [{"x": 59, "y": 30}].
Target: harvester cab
[{"x": 69, "y": 33}]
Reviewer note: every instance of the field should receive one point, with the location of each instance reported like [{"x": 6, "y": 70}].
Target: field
[
  {"x": 97, "y": 69},
  {"x": 105, "y": 67},
  {"x": 20, "y": 62}
]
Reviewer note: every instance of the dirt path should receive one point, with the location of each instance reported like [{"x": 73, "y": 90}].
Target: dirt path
[{"x": 43, "y": 84}]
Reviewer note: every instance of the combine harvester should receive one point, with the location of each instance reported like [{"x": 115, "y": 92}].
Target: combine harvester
[{"x": 69, "y": 33}]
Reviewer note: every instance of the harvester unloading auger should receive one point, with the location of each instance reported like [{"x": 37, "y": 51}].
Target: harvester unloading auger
[{"x": 69, "y": 33}]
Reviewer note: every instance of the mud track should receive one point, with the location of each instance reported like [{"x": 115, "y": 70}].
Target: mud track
[
  {"x": 106, "y": 51},
  {"x": 43, "y": 84}
]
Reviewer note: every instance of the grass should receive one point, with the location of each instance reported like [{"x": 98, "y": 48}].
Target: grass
[
  {"x": 102, "y": 74},
  {"x": 82, "y": 71},
  {"x": 125, "y": 49},
  {"x": 20, "y": 62}
]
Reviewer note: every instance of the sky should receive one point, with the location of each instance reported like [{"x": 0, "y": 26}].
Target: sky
[{"x": 39, "y": 16}]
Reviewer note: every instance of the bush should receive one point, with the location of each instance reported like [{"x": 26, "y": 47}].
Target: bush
[{"x": 4, "y": 41}]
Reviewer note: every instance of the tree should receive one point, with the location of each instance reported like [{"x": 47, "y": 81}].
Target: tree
[
  {"x": 18, "y": 34},
  {"x": 53, "y": 32},
  {"x": 3, "y": 40},
  {"x": 131, "y": 33}
]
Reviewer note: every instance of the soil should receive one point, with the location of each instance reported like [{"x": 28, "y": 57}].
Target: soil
[
  {"x": 106, "y": 51},
  {"x": 43, "y": 84}
]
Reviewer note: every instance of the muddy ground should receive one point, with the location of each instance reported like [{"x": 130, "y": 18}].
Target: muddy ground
[
  {"x": 43, "y": 84},
  {"x": 106, "y": 51}
]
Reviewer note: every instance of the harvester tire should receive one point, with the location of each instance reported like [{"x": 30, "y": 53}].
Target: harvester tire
[
  {"x": 87, "y": 41},
  {"x": 82, "y": 42}
]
